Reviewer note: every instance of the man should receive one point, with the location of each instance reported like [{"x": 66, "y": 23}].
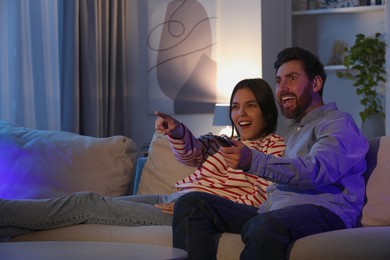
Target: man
[{"x": 318, "y": 185}]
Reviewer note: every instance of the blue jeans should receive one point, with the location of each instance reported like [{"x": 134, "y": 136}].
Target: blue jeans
[
  {"x": 18, "y": 217},
  {"x": 200, "y": 218}
]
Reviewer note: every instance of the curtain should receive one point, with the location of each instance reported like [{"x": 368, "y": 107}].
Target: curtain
[
  {"x": 93, "y": 75},
  {"x": 63, "y": 65},
  {"x": 29, "y": 63}
]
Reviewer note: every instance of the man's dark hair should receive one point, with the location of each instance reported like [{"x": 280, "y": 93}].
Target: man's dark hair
[{"x": 311, "y": 64}]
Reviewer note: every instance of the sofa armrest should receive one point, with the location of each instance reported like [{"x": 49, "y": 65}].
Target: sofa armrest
[{"x": 138, "y": 172}]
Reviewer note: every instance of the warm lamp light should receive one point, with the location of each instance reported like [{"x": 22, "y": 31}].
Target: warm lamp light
[{"x": 222, "y": 118}]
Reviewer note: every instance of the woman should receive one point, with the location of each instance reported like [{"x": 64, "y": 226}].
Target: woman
[{"x": 254, "y": 116}]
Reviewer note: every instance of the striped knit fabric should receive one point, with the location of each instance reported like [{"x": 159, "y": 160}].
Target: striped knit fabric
[{"x": 214, "y": 176}]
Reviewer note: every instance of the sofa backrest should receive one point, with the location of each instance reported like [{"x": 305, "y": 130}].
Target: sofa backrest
[
  {"x": 45, "y": 163},
  {"x": 376, "y": 210}
]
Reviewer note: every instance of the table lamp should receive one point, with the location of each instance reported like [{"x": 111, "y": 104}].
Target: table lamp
[{"x": 222, "y": 118}]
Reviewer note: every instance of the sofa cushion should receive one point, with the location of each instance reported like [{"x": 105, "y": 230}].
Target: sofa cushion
[
  {"x": 376, "y": 211},
  {"x": 161, "y": 169},
  {"x": 230, "y": 245},
  {"x": 355, "y": 243},
  {"x": 45, "y": 163}
]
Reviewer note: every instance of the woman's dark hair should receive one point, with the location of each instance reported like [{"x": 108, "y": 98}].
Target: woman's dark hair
[
  {"x": 311, "y": 64},
  {"x": 264, "y": 97}
]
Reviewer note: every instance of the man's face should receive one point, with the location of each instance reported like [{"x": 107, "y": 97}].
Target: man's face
[{"x": 293, "y": 90}]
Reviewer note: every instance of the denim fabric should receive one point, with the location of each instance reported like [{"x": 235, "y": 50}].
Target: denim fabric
[
  {"x": 268, "y": 235},
  {"x": 18, "y": 217},
  {"x": 200, "y": 219}
]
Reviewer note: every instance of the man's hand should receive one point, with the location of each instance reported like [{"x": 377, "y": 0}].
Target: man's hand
[
  {"x": 166, "y": 124},
  {"x": 238, "y": 156},
  {"x": 166, "y": 208}
]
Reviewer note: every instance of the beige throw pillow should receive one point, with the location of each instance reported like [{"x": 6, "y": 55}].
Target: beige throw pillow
[
  {"x": 161, "y": 169},
  {"x": 376, "y": 211},
  {"x": 44, "y": 163}
]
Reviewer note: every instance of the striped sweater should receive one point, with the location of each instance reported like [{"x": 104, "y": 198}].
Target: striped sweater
[{"x": 214, "y": 176}]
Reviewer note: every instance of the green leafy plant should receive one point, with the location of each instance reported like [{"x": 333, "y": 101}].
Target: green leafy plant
[{"x": 365, "y": 65}]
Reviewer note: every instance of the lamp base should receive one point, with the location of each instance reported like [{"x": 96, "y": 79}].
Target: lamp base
[{"x": 226, "y": 131}]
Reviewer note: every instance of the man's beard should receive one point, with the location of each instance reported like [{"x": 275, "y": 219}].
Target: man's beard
[
  {"x": 291, "y": 113},
  {"x": 301, "y": 105}
]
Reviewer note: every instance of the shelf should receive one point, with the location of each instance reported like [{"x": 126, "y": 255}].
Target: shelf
[
  {"x": 358, "y": 9},
  {"x": 334, "y": 67},
  {"x": 318, "y": 29}
]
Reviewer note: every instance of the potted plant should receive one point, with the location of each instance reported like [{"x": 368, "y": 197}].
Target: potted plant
[{"x": 365, "y": 65}]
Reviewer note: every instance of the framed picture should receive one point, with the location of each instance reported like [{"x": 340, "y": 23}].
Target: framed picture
[{"x": 182, "y": 71}]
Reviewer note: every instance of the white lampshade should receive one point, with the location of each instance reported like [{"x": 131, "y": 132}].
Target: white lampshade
[{"x": 221, "y": 115}]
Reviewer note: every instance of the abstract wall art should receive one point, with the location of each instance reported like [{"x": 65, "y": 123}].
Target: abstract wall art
[{"x": 182, "y": 68}]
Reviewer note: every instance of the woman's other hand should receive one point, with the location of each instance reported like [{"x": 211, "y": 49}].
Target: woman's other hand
[{"x": 167, "y": 125}]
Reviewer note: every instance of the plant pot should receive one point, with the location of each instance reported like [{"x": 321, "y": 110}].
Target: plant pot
[{"x": 373, "y": 126}]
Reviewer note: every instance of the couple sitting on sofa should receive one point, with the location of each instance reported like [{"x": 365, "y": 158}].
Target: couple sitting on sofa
[{"x": 319, "y": 181}]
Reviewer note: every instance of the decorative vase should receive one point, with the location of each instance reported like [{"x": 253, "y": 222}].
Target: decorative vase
[{"x": 373, "y": 126}]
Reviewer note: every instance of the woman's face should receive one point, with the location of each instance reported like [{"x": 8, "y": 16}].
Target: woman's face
[{"x": 247, "y": 115}]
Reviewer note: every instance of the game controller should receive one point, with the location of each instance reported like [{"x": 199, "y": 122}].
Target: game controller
[{"x": 223, "y": 141}]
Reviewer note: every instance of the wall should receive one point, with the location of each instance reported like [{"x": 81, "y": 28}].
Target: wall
[
  {"x": 239, "y": 43},
  {"x": 387, "y": 108},
  {"x": 274, "y": 39}
]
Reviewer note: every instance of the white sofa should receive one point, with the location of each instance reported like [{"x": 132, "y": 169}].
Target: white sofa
[{"x": 69, "y": 163}]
